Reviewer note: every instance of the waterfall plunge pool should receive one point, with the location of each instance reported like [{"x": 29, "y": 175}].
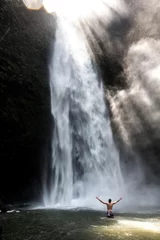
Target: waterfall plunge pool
[{"x": 84, "y": 224}]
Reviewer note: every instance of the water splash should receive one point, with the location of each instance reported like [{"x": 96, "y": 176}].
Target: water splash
[{"x": 85, "y": 159}]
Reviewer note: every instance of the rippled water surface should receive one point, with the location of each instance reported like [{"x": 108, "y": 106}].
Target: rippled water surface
[{"x": 79, "y": 224}]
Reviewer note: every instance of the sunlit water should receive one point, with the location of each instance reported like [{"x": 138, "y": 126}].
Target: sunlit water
[{"x": 79, "y": 224}]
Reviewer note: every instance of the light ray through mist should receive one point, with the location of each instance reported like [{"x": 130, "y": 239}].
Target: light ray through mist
[
  {"x": 140, "y": 101},
  {"x": 136, "y": 109},
  {"x": 76, "y": 9}
]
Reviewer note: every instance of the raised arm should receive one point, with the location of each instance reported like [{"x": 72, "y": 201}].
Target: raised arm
[
  {"x": 101, "y": 200},
  {"x": 117, "y": 200}
]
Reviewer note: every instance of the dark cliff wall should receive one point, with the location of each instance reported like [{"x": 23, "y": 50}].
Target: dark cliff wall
[{"x": 25, "y": 118}]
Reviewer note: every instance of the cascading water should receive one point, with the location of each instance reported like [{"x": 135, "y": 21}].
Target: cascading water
[{"x": 85, "y": 159}]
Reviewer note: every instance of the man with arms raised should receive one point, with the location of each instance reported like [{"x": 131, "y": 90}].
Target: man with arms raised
[{"x": 109, "y": 205}]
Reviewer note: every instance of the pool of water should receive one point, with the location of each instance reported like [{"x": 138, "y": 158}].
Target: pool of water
[{"x": 79, "y": 224}]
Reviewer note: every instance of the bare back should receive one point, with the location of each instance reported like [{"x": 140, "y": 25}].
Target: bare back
[{"x": 110, "y": 206}]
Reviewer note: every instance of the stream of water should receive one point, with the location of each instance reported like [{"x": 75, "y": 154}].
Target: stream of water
[{"x": 85, "y": 159}]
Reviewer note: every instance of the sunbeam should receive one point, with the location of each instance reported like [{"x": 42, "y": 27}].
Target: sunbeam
[{"x": 75, "y": 9}]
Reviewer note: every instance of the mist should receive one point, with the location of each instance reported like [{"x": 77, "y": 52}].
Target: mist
[{"x": 135, "y": 107}]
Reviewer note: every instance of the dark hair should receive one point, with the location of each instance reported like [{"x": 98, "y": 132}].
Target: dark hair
[{"x": 109, "y": 200}]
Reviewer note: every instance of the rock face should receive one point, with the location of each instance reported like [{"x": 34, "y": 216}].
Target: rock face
[{"x": 25, "y": 119}]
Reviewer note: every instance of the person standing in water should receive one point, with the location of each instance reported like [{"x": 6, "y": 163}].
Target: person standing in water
[{"x": 109, "y": 205}]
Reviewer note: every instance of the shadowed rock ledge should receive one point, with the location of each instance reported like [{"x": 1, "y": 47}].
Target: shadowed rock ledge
[{"x": 25, "y": 120}]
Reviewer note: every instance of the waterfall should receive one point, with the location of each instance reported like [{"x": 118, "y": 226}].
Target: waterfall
[{"x": 85, "y": 161}]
